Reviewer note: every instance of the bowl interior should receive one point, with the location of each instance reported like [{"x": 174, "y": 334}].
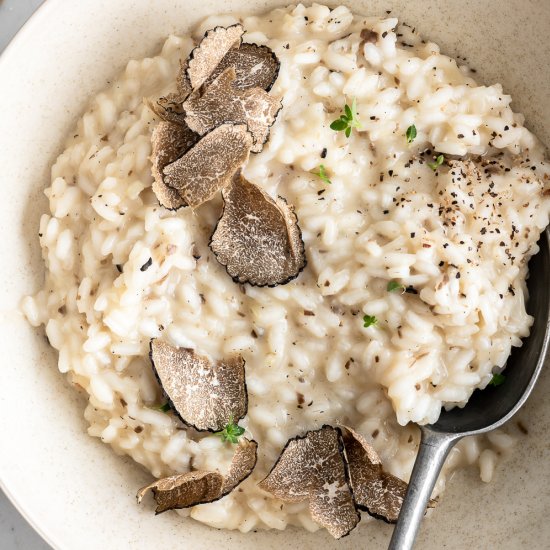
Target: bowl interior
[{"x": 72, "y": 487}]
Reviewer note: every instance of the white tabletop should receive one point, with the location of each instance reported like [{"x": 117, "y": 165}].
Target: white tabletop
[{"x": 15, "y": 532}]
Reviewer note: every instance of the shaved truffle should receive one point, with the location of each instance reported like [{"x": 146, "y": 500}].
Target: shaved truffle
[
  {"x": 169, "y": 141},
  {"x": 379, "y": 493},
  {"x": 256, "y": 66},
  {"x": 205, "y": 394},
  {"x": 312, "y": 468},
  {"x": 192, "y": 488},
  {"x": 209, "y": 165},
  {"x": 257, "y": 238},
  {"x": 182, "y": 81},
  {"x": 212, "y": 49},
  {"x": 222, "y": 102},
  {"x": 169, "y": 107},
  {"x": 184, "y": 490},
  {"x": 244, "y": 461}
]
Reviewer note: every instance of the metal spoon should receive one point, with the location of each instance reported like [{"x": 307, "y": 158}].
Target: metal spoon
[{"x": 486, "y": 410}]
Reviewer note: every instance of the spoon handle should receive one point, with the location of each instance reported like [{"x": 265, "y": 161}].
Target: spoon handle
[{"x": 434, "y": 448}]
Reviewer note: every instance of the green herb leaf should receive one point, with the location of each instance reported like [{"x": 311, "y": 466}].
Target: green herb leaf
[
  {"x": 497, "y": 380},
  {"x": 438, "y": 162},
  {"x": 369, "y": 321},
  {"x": 323, "y": 174},
  {"x": 339, "y": 125},
  {"x": 411, "y": 133},
  {"x": 394, "y": 285},
  {"x": 348, "y": 120},
  {"x": 231, "y": 432},
  {"x": 165, "y": 408}
]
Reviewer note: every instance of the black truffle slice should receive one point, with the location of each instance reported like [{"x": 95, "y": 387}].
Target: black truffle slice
[
  {"x": 169, "y": 107},
  {"x": 169, "y": 141},
  {"x": 184, "y": 490},
  {"x": 375, "y": 491},
  {"x": 244, "y": 461},
  {"x": 205, "y": 394},
  {"x": 182, "y": 82},
  {"x": 192, "y": 488},
  {"x": 257, "y": 238},
  {"x": 222, "y": 102},
  {"x": 256, "y": 66},
  {"x": 212, "y": 49},
  {"x": 208, "y": 166},
  {"x": 312, "y": 468}
]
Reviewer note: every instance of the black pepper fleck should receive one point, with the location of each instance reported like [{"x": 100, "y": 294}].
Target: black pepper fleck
[{"x": 146, "y": 265}]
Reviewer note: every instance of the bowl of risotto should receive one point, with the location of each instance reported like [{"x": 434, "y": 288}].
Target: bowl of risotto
[{"x": 248, "y": 248}]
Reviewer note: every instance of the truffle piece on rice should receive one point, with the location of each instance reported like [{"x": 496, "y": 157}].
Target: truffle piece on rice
[
  {"x": 244, "y": 461},
  {"x": 255, "y": 66},
  {"x": 222, "y": 102},
  {"x": 184, "y": 490},
  {"x": 199, "y": 487},
  {"x": 210, "y": 164},
  {"x": 169, "y": 107},
  {"x": 257, "y": 238},
  {"x": 211, "y": 50},
  {"x": 379, "y": 493},
  {"x": 312, "y": 468},
  {"x": 169, "y": 141},
  {"x": 204, "y": 393}
]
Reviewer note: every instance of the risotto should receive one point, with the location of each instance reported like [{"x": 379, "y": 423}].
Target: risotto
[{"x": 417, "y": 226}]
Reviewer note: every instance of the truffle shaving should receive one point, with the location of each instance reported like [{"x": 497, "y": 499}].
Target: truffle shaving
[
  {"x": 244, "y": 461},
  {"x": 182, "y": 82},
  {"x": 222, "y": 102},
  {"x": 169, "y": 107},
  {"x": 257, "y": 238},
  {"x": 375, "y": 491},
  {"x": 169, "y": 141},
  {"x": 256, "y": 67},
  {"x": 312, "y": 468},
  {"x": 192, "y": 488},
  {"x": 205, "y": 394},
  {"x": 212, "y": 49},
  {"x": 209, "y": 165},
  {"x": 184, "y": 490}
]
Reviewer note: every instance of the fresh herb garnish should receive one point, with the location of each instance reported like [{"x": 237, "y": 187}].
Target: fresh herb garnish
[
  {"x": 369, "y": 321},
  {"x": 497, "y": 380},
  {"x": 348, "y": 121},
  {"x": 323, "y": 174},
  {"x": 164, "y": 408},
  {"x": 394, "y": 285},
  {"x": 411, "y": 133},
  {"x": 438, "y": 162},
  {"x": 231, "y": 432}
]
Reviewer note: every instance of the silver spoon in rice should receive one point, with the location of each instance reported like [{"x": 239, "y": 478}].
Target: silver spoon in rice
[{"x": 486, "y": 410}]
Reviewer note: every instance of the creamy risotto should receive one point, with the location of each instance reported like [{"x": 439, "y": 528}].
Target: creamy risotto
[{"x": 414, "y": 291}]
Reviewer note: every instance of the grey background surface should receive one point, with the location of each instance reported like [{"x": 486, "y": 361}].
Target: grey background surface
[{"x": 15, "y": 532}]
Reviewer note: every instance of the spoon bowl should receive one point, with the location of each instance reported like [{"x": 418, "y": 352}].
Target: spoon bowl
[{"x": 485, "y": 410}]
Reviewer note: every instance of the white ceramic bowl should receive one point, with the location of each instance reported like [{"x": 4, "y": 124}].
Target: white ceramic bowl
[{"x": 71, "y": 487}]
